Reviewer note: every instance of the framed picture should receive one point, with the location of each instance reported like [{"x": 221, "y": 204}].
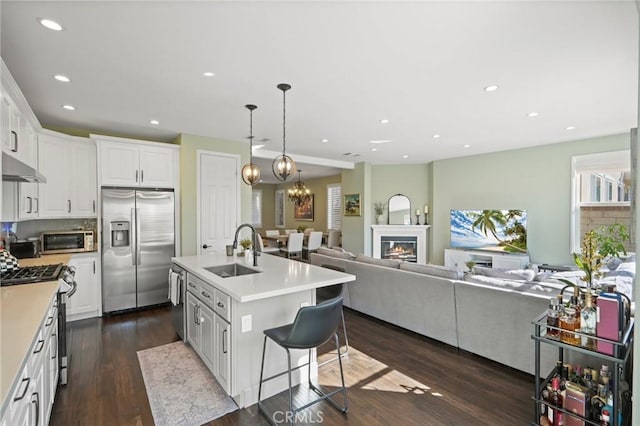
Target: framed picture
[
  {"x": 304, "y": 211},
  {"x": 352, "y": 204},
  {"x": 279, "y": 208}
]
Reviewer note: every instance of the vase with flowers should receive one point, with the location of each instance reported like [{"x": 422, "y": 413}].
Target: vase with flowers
[{"x": 378, "y": 209}]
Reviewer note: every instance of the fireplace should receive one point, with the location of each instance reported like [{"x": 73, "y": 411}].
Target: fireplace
[
  {"x": 399, "y": 247},
  {"x": 402, "y": 242}
]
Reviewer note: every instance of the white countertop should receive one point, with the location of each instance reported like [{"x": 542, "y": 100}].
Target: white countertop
[
  {"x": 278, "y": 276},
  {"x": 22, "y": 312}
]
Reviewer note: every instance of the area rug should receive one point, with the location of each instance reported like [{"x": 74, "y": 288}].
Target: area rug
[{"x": 180, "y": 388}]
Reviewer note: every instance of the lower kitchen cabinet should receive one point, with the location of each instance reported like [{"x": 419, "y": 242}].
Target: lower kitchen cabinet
[
  {"x": 85, "y": 302},
  {"x": 208, "y": 332},
  {"x": 35, "y": 389}
]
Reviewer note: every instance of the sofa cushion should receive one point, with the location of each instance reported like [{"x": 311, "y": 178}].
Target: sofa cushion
[
  {"x": 341, "y": 254},
  {"x": 435, "y": 270},
  {"x": 389, "y": 263},
  {"x": 514, "y": 274}
]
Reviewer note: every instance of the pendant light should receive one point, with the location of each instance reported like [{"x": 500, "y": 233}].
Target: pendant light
[
  {"x": 299, "y": 194},
  {"x": 283, "y": 166},
  {"x": 250, "y": 172}
]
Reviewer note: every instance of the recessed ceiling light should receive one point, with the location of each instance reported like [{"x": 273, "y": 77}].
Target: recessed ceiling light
[
  {"x": 533, "y": 114},
  {"x": 62, "y": 78},
  {"x": 405, "y": 156},
  {"x": 491, "y": 88},
  {"x": 155, "y": 122},
  {"x": 208, "y": 74},
  {"x": 69, "y": 107},
  {"x": 571, "y": 128},
  {"x": 52, "y": 25},
  {"x": 381, "y": 141},
  {"x": 325, "y": 140},
  {"x": 374, "y": 149},
  {"x": 436, "y": 136},
  {"x": 466, "y": 146},
  {"x": 384, "y": 121}
]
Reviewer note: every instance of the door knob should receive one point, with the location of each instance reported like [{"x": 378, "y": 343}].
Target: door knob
[{"x": 204, "y": 246}]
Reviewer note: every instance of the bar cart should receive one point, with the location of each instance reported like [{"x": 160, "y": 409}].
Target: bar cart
[{"x": 621, "y": 361}]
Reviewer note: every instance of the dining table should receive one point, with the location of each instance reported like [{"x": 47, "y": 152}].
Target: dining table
[{"x": 283, "y": 238}]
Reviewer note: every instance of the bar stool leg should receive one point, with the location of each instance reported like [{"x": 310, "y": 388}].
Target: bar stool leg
[
  {"x": 290, "y": 389},
  {"x": 344, "y": 389},
  {"x": 264, "y": 347}
]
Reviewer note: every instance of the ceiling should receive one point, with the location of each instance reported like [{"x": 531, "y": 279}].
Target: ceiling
[{"x": 420, "y": 65}]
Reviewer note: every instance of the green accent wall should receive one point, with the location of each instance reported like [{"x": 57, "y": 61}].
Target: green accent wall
[
  {"x": 411, "y": 180},
  {"x": 189, "y": 145},
  {"x": 535, "y": 179}
]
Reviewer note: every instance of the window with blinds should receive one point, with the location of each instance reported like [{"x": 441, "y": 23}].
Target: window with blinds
[
  {"x": 334, "y": 206},
  {"x": 256, "y": 208}
]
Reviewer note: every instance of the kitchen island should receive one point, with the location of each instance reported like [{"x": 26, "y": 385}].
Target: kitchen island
[{"x": 225, "y": 317}]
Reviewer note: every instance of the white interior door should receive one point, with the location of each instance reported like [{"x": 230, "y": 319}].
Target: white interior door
[{"x": 219, "y": 194}]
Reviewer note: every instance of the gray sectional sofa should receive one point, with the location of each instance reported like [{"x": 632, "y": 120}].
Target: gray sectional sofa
[{"x": 491, "y": 321}]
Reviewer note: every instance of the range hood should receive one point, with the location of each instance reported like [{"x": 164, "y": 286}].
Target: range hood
[{"x": 14, "y": 170}]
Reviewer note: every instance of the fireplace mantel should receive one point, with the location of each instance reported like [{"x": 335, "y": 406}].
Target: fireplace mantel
[{"x": 418, "y": 231}]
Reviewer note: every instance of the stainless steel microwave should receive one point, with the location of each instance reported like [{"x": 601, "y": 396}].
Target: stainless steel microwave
[{"x": 67, "y": 242}]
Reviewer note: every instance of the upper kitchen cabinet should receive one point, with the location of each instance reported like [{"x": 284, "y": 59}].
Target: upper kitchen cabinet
[
  {"x": 127, "y": 162},
  {"x": 18, "y": 125},
  {"x": 69, "y": 163}
]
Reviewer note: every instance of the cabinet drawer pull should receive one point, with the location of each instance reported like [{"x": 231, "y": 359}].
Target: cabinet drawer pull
[
  {"x": 49, "y": 321},
  {"x": 41, "y": 343},
  {"x": 37, "y": 402},
  {"x": 68, "y": 206},
  {"x": 14, "y": 141},
  {"x": 224, "y": 341},
  {"x": 205, "y": 294},
  {"x": 37, "y": 203},
  {"x": 30, "y": 208},
  {"x": 141, "y": 175},
  {"x": 192, "y": 285},
  {"x": 220, "y": 305},
  {"x": 94, "y": 206},
  {"x": 24, "y": 391},
  {"x": 136, "y": 176}
]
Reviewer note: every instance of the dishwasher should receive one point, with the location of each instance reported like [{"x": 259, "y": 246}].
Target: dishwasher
[{"x": 178, "y": 277}]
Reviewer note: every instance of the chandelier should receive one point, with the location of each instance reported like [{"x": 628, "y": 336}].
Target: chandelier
[
  {"x": 283, "y": 165},
  {"x": 299, "y": 194},
  {"x": 250, "y": 171}
]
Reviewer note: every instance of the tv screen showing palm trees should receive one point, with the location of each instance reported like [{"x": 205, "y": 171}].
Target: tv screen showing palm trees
[{"x": 500, "y": 230}]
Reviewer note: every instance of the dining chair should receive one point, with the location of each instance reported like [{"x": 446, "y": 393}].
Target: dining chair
[
  {"x": 294, "y": 246},
  {"x": 333, "y": 240},
  {"x": 314, "y": 243},
  {"x": 290, "y": 231},
  {"x": 307, "y": 231},
  {"x": 263, "y": 249},
  {"x": 272, "y": 232}
]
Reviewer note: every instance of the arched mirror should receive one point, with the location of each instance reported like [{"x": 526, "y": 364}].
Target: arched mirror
[{"x": 399, "y": 208}]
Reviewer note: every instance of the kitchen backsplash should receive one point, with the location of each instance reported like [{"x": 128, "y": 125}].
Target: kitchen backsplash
[{"x": 33, "y": 228}]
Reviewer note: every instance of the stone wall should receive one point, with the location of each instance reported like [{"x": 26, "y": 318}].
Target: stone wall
[{"x": 595, "y": 216}]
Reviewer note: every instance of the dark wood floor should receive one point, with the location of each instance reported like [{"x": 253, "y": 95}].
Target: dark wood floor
[{"x": 394, "y": 377}]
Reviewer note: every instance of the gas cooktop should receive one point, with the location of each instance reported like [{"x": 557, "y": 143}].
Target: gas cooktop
[{"x": 31, "y": 274}]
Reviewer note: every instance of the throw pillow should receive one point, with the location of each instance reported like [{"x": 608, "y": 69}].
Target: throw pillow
[
  {"x": 613, "y": 263},
  {"x": 514, "y": 274},
  {"x": 332, "y": 253}
]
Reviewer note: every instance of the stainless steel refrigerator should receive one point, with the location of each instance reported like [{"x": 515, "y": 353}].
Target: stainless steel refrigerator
[{"x": 137, "y": 246}]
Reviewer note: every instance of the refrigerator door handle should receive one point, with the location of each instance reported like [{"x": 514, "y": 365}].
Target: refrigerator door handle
[
  {"x": 134, "y": 237},
  {"x": 138, "y": 261}
]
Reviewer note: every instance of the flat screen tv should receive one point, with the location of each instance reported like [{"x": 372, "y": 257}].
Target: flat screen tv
[{"x": 498, "y": 230}]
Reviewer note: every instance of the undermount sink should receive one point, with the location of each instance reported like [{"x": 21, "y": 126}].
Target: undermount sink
[{"x": 231, "y": 270}]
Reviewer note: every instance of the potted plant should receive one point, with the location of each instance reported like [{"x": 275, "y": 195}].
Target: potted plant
[
  {"x": 301, "y": 228},
  {"x": 599, "y": 245},
  {"x": 246, "y": 245},
  {"x": 378, "y": 208}
]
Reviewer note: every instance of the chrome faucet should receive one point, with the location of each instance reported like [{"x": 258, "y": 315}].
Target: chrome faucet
[{"x": 253, "y": 241}]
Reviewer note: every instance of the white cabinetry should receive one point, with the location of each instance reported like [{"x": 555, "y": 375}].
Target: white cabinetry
[
  {"x": 69, "y": 164},
  {"x": 207, "y": 331},
  {"x": 137, "y": 163},
  {"x": 85, "y": 302},
  {"x": 457, "y": 258}
]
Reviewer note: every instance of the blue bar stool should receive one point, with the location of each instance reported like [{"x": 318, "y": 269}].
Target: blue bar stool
[{"x": 313, "y": 327}]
